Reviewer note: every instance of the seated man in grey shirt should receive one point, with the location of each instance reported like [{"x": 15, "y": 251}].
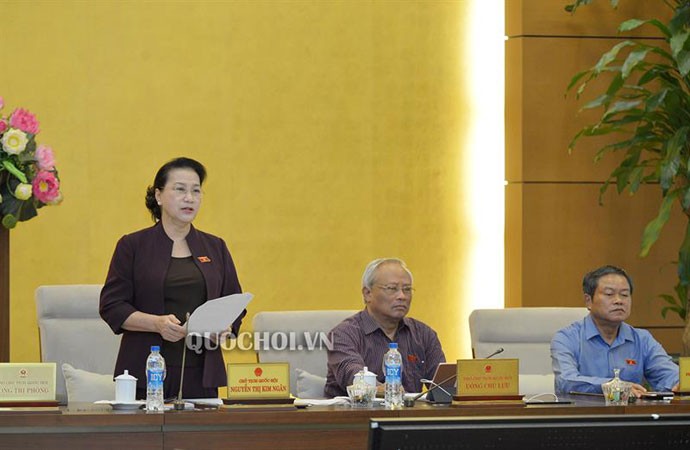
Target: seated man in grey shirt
[{"x": 362, "y": 340}]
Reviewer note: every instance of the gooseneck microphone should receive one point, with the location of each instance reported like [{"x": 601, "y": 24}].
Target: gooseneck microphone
[
  {"x": 496, "y": 352},
  {"x": 409, "y": 402},
  {"x": 178, "y": 404}
]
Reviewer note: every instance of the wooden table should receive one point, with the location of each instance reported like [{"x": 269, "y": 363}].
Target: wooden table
[
  {"x": 84, "y": 427},
  {"x": 91, "y": 426}
]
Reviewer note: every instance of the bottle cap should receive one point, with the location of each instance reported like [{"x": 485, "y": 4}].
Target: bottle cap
[
  {"x": 156, "y": 348},
  {"x": 393, "y": 345}
]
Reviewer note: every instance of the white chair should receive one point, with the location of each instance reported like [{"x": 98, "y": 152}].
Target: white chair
[
  {"x": 71, "y": 331},
  {"x": 305, "y": 335},
  {"x": 523, "y": 333}
]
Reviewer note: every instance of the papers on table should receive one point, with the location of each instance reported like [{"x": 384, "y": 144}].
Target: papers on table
[
  {"x": 200, "y": 403},
  {"x": 216, "y": 316},
  {"x": 328, "y": 401},
  {"x": 322, "y": 401}
]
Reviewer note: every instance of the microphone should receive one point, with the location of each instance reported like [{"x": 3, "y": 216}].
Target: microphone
[
  {"x": 409, "y": 402},
  {"x": 178, "y": 404},
  {"x": 496, "y": 352}
]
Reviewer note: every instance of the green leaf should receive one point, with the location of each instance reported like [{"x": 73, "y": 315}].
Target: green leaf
[
  {"x": 577, "y": 78},
  {"x": 634, "y": 116},
  {"x": 668, "y": 299},
  {"x": 573, "y": 141},
  {"x": 653, "y": 228},
  {"x": 683, "y": 59},
  {"x": 633, "y": 60},
  {"x": 671, "y": 162},
  {"x": 630, "y": 25},
  {"x": 685, "y": 201},
  {"x": 655, "y": 100},
  {"x": 684, "y": 259},
  {"x": 610, "y": 56},
  {"x": 612, "y": 148},
  {"x": 597, "y": 102},
  {"x": 650, "y": 75},
  {"x": 680, "y": 19},
  {"x": 636, "y": 178},
  {"x": 625, "y": 170},
  {"x": 621, "y": 107},
  {"x": 27, "y": 210},
  {"x": 664, "y": 54},
  {"x": 622, "y": 180},
  {"x": 573, "y": 6},
  {"x": 616, "y": 84},
  {"x": 598, "y": 130},
  {"x": 681, "y": 290},
  {"x": 660, "y": 26},
  {"x": 677, "y": 42},
  {"x": 602, "y": 191},
  {"x": 675, "y": 309},
  {"x": 581, "y": 88}
]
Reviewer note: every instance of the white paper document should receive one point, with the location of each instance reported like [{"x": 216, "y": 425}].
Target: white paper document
[
  {"x": 216, "y": 316},
  {"x": 322, "y": 401}
]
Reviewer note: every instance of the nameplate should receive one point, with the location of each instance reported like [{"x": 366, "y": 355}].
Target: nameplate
[
  {"x": 477, "y": 377},
  {"x": 258, "y": 380},
  {"x": 27, "y": 382},
  {"x": 684, "y": 363}
]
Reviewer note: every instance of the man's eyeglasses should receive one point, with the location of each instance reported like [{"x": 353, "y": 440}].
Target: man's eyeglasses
[{"x": 392, "y": 289}]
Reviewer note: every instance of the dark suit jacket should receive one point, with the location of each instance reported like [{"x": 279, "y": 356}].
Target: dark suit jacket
[{"x": 135, "y": 283}]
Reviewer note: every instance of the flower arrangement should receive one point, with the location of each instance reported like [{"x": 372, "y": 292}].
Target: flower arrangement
[{"x": 28, "y": 176}]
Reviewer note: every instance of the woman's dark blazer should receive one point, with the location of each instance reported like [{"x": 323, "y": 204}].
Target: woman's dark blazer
[{"x": 136, "y": 280}]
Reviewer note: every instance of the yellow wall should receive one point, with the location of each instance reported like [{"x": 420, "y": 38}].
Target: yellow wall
[{"x": 330, "y": 130}]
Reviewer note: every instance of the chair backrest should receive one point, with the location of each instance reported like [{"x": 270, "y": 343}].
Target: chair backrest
[
  {"x": 305, "y": 334},
  {"x": 523, "y": 333},
  {"x": 72, "y": 331}
]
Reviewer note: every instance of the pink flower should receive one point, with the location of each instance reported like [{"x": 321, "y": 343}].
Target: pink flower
[
  {"x": 2, "y": 102},
  {"x": 46, "y": 186},
  {"x": 24, "y": 120},
  {"x": 45, "y": 160},
  {"x": 3, "y": 126}
]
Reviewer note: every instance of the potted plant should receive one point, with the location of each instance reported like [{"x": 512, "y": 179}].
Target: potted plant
[{"x": 646, "y": 112}]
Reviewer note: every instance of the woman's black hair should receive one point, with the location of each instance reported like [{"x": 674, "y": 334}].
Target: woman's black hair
[{"x": 162, "y": 178}]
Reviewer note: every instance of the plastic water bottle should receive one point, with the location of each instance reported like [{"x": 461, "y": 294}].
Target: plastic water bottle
[
  {"x": 392, "y": 362},
  {"x": 155, "y": 374}
]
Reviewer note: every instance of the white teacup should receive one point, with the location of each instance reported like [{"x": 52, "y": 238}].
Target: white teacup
[
  {"x": 125, "y": 388},
  {"x": 366, "y": 376}
]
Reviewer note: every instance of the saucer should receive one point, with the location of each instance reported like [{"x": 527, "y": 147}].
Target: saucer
[
  {"x": 123, "y": 405},
  {"x": 128, "y": 405}
]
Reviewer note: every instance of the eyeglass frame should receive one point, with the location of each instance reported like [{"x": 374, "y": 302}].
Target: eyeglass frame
[
  {"x": 182, "y": 191},
  {"x": 393, "y": 289}
]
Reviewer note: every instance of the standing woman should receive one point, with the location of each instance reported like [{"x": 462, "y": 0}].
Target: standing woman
[{"x": 160, "y": 273}]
